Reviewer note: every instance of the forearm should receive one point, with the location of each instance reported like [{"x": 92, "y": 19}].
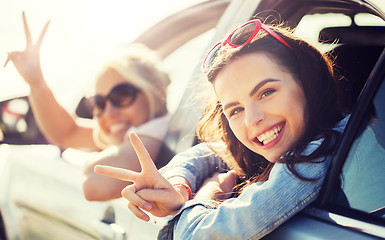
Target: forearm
[
  {"x": 245, "y": 217},
  {"x": 55, "y": 122},
  {"x": 257, "y": 211}
]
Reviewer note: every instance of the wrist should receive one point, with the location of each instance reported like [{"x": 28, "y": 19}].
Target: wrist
[{"x": 184, "y": 190}]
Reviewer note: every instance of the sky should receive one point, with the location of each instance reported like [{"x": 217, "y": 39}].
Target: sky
[{"x": 81, "y": 34}]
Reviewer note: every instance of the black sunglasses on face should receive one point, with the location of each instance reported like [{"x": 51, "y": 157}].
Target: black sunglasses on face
[{"x": 122, "y": 95}]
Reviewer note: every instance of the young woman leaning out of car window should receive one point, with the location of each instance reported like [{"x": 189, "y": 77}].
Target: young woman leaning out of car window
[{"x": 277, "y": 113}]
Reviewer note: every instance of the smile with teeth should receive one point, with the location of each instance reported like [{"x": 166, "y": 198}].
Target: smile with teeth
[
  {"x": 270, "y": 135},
  {"x": 117, "y": 127}
]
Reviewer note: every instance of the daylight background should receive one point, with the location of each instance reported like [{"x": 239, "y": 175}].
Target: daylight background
[{"x": 81, "y": 34}]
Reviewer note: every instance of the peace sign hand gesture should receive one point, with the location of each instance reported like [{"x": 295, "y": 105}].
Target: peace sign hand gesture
[
  {"x": 27, "y": 62},
  {"x": 150, "y": 190}
]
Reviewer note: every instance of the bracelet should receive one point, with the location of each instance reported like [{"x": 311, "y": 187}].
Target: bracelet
[{"x": 185, "y": 186}]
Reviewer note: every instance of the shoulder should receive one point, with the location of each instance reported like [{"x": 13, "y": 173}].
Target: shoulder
[
  {"x": 156, "y": 122},
  {"x": 313, "y": 145},
  {"x": 155, "y": 128}
]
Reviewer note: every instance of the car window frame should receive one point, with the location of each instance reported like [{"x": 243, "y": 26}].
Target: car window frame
[{"x": 323, "y": 207}]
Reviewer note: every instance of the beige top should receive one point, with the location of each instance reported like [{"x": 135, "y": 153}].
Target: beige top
[{"x": 155, "y": 128}]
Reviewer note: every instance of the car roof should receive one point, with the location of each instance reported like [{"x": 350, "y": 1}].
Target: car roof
[{"x": 178, "y": 28}]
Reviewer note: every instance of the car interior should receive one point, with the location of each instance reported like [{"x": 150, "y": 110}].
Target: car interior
[{"x": 355, "y": 57}]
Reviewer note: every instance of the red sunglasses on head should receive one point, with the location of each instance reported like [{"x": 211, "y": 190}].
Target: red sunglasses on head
[{"x": 241, "y": 36}]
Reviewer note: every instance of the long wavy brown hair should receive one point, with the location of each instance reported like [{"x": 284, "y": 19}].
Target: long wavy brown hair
[{"x": 312, "y": 70}]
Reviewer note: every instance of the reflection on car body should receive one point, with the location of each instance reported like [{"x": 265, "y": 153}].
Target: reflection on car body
[{"x": 40, "y": 192}]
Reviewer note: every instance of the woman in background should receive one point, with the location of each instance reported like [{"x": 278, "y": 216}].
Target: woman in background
[{"x": 129, "y": 93}]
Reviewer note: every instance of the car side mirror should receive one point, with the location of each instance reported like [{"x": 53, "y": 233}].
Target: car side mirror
[{"x": 17, "y": 123}]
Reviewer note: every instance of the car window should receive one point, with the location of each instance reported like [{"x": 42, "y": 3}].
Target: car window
[
  {"x": 317, "y": 23},
  {"x": 320, "y": 21},
  {"x": 362, "y": 177},
  {"x": 354, "y": 42},
  {"x": 181, "y": 64}
]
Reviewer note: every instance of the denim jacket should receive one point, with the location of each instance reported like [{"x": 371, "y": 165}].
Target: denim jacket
[{"x": 257, "y": 211}]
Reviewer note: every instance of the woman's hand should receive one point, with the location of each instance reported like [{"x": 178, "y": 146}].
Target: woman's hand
[
  {"x": 27, "y": 62},
  {"x": 150, "y": 190},
  {"x": 218, "y": 187}
]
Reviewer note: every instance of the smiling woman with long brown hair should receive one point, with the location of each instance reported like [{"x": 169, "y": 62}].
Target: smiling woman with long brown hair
[{"x": 277, "y": 114}]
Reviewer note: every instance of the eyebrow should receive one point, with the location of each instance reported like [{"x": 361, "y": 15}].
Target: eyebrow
[
  {"x": 261, "y": 84},
  {"x": 252, "y": 92},
  {"x": 229, "y": 105}
]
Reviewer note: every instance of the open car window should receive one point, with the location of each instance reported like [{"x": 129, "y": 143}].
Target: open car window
[
  {"x": 321, "y": 21},
  {"x": 362, "y": 177}
]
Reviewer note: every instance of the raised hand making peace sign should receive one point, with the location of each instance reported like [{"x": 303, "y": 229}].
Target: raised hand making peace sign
[
  {"x": 27, "y": 62},
  {"x": 150, "y": 190}
]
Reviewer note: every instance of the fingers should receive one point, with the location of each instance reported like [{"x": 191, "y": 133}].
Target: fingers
[
  {"x": 231, "y": 176},
  {"x": 154, "y": 195},
  {"x": 228, "y": 181},
  {"x": 171, "y": 202},
  {"x": 136, "y": 203},
  {"x": 8, "y": 59},
  {"x": 118, "y": 173},
  {"x": 28, "y": 36},
  {"x": 129, "y": 193},
  {"x": 12, "y": 56},
  {"x": 144, "y": 157},
  {"x": 138, "y": 212},
  {"x": 42, "y": 34},
  {"x": 27, "y": 32}
]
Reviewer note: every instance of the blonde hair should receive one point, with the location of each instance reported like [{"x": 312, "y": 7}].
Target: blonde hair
[{"x": 140, "y": 66}]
